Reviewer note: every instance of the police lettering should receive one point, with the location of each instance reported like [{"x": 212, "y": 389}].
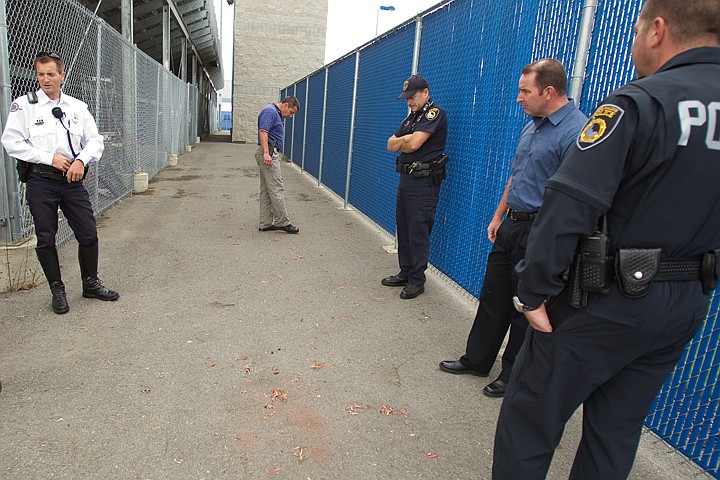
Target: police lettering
[{"x": 694, "y": 113}]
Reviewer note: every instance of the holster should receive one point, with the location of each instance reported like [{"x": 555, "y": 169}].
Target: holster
[
  {"x": 577, "y": 298},
  {"x": 635, "y": 269},
  {"x": 23, "y": 170},
  {"x": 709, "y": 271},
  {"x": 437, "y": 169}
]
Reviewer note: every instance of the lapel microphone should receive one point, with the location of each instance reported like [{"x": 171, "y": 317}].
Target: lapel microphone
[{"x": 59, "y": 114}]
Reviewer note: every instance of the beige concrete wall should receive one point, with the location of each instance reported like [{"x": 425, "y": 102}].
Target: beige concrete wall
[{"x": 275, "y": 42}]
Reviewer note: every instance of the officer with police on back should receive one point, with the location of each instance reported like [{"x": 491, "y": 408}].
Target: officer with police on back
[
  {"x": 636, "y": 202},
  {"x": 54, "y": 137},
  {"x": 420, "y": 139}
]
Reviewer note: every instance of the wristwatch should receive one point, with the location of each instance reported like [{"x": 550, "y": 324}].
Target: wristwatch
[{"x": 521, "y": 307}]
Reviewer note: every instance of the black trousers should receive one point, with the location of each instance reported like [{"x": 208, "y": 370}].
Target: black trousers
[
  {"x": 44, "y": 196},
  {"x": 417, "y": 199},
  {"x": 612, "y": 357},
  {"x": 495, "y": 311}
]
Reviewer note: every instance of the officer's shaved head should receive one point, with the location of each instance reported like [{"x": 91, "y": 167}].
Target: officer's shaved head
[
  {"x": 548, "y": 73},
  {"x": 686, "y": 19}
]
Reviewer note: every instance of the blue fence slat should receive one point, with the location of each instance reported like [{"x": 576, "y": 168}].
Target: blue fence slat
[
  {"x": 299, "y": 122},
  {"x": 313, "y": 136},
  {"x": 341, "y": 77},
  {"x": 384, "y": 66}
]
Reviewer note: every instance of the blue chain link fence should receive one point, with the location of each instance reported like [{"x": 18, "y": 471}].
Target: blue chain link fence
[{"x": 471, "y": 53}]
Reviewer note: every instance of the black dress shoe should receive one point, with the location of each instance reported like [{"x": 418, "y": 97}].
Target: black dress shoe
[
  {"x": 454, "y": 366},
  {"x": 59, "y": 300},
  {"x": 495, "y": 389},
  {"x": 394, "y": 281},
  {"x": 411, "y": 291},
  {"x": 289, "y": 228},
  {"x": 268, "y": 229},
  {"x": 93, "y": 288}
]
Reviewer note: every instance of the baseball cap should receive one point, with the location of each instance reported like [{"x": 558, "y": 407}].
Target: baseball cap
[{"x": 412, "y": 85}]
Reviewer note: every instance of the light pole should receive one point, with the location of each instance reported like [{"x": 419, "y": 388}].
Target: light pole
[{"x": 388, "y": 8}]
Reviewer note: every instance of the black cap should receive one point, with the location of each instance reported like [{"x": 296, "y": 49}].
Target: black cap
[{"x": 412, "y": 85}]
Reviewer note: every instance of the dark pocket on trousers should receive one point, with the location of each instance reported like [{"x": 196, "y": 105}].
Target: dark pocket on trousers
[{"x": 538, "y": 359}]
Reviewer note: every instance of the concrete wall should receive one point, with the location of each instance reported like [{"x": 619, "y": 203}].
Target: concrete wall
[{"x": 276, "y": 42}]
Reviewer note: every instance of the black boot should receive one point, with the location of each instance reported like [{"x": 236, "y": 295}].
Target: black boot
[
  {"x": 51, "y": 267},
  {"x": 59, "y": 300},
  {"x": 92, "y": 286}
]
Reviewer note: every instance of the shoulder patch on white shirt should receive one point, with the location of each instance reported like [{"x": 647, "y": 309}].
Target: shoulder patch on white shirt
[{"x": 14, "y": 107}]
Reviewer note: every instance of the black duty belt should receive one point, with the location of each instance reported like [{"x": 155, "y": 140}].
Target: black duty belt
[
  {"x": 679, "y": 269},
  {"x": 412, "y": 167},
  {"x": 46, "y": 171},
  {"x": 520, "y": 216}
]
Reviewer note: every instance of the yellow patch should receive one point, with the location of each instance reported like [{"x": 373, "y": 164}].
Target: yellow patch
[
  {"x": 431, "y": 114},
  {"x": 405, "y": 85},
  {"x": 600, "y": 126}
]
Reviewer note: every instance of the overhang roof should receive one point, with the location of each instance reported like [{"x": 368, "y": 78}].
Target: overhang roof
[{"x": 192, "y": 19}]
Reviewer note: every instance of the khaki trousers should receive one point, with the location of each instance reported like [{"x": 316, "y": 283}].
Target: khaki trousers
[{"x": 272, "y": 192}]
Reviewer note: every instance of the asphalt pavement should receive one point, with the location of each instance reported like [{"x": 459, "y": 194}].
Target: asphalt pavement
[{"x": 239, "y": 354}]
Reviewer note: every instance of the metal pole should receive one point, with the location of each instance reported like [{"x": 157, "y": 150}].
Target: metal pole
[
  {"x": 292, "y": 144},
  {"x": 10, "y": 194},
  {"x": 98, "y": 90},
  {"x": 352, "y": 129},
  {"x": 416, "y": 48},
  {"x": 166, "y": 36},
  {"x": 582, "y": 51},
  {"x": 322, "y": 133},
  {"x": 307, "y": 97}
]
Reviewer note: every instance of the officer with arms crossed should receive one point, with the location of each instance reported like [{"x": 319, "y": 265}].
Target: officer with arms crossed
[
  {"x": 543, "y": 144},
  {"x": 273, "y": 214},
  {"x": 54, "y": 137},
  {"x": 420, "y": 141},
  {"x": 647, "y": 163}
]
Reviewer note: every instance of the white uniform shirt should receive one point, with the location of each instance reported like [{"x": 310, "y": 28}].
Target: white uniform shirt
[{"x": 34, "y": 135}]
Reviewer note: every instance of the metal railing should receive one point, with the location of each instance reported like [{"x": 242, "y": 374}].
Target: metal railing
[{"x": 144, "y": 111}]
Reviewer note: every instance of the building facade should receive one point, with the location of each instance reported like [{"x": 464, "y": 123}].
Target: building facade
[{"x": 275, "y": 42}]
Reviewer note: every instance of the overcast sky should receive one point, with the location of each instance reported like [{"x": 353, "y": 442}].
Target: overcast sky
[{"x": 351, "y": 23}]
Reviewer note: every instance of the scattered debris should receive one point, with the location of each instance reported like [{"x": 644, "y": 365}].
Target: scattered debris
[
  {"x": 280, "y": 394},
  {"x": 356, "y": 409},
  {"x": 432, "y": 455},
  {"x": 388, "y": 410},
  {"x": 298, "y": 452}
]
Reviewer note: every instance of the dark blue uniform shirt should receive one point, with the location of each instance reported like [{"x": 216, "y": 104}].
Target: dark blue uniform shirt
[{"x": 432, "y": 119}]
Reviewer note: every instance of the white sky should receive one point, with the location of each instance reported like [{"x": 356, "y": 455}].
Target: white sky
[{"x": 351, "y": 23}]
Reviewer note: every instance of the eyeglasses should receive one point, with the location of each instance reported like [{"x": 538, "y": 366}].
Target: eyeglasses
[{"x": 48, "y": 54}]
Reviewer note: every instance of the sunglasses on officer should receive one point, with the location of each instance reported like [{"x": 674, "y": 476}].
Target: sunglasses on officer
[{"x": 48, "y": 54}]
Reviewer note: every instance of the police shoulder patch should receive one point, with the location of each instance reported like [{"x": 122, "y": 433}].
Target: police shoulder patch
[
  {"x": 431, "y": 114},
  {"x": 600, "y": 126},
  {"x": 14, "y": 107}
]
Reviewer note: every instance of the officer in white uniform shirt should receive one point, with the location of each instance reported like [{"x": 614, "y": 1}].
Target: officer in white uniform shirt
[{"x": 54, "y": 138}]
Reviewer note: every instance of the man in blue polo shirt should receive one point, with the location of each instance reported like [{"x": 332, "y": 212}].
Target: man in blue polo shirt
[
  {"x": 544, "y": 141},
  {"x": 273, "y": 214}
]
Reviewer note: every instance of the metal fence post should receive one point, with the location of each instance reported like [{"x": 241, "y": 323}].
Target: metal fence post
[
  {"x": 9, "y": 191},
  {"x": 322, "y": 131},
  {"x": 582, "y": 51},
  {"x": 416, "y": 47},
  {"x": 292, "y": 144},
  {"x": 307, "y": 97},
  {"x": 352, "y": 129},
  {"x": 98, "y": 90}
]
